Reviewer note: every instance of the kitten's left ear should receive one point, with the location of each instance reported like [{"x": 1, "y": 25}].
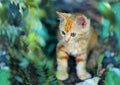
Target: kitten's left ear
[
  {"x": 82, "y": 21},
  {"x": 62, "y": 16}
]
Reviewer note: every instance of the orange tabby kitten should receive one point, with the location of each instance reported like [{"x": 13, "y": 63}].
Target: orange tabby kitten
[{"x": 77, "y": 38}]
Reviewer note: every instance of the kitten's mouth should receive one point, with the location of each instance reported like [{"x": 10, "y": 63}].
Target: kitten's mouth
[
  {"x": 69, "y": 42},
  {"x": 66, "y": 42}
]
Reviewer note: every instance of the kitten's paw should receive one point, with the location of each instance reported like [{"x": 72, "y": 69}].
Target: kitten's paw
[
  {"x": 61, "y": 75},
  {"x": 84, "y": 75}
]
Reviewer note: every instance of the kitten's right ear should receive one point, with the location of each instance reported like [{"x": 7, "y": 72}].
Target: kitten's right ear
[{"x": 62, "y": 16}]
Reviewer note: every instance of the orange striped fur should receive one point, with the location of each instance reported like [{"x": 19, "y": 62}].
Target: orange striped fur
[
  {"x": 69, "y": 23},
  {"x": 77, "y": 38},
  {"x": 80, "y": 60},
  {"x": 59, "y": 47},
  {"x": 63, "y": 57}
]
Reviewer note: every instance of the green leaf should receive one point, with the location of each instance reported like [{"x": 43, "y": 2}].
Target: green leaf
[
  {"x": 113, "y": 77},
  {"x": 33, "y": 46},
  {"x": 32, "y": 37},
  {"x": 100, "y": 59},
  {"x": 19, "y": 79},
  {"x": 4, "y": 77}
]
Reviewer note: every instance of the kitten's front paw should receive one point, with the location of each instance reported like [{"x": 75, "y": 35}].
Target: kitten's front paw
[
  {"x": 61, "y": 75},
  {"x": 84, "y": 75}
]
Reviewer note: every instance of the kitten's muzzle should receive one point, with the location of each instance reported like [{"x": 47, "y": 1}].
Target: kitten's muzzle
[{"x": 66, "y": 40}]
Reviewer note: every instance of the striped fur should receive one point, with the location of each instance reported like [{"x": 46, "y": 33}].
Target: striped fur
[{"x": 76, "y": 39}]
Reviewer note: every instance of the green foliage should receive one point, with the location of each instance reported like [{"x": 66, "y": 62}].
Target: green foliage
[
  {"x": 4, "y": 77},
  {"x": 100, "y": 59},
  {"x": 10, "y": 33},
  {"x": 117, "y": 26},
  {"x": 3, "y": 10},
  {"x": 46, "y": 74},
  {"x": 107, "y": 11},
  {"x": 25, "y": 37},
  {"x": 106, "y": 28},
  {"x": 113, "y": 77},
  {"x": 111, "y": 21}
]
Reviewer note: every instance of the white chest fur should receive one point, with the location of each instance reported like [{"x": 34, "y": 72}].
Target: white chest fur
[{"x": 74, "y": 49}]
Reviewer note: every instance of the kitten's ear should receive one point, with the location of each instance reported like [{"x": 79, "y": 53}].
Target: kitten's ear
[
  {"x": 61, "y": 15},
  {"x": 81, "y": 21}
]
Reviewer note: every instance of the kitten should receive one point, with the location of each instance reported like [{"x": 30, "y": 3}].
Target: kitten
[{"x": 77, "y": 38}]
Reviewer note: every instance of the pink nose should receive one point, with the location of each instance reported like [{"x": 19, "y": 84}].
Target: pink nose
[{"x": 66, "y": 40}]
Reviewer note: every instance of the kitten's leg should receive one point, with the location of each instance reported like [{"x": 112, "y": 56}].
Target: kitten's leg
[
  {"x": 62, "y": 58},
  {"x": 81, "y": 67}
]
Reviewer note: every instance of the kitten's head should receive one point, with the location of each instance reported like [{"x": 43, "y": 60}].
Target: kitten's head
[{"x": 73, "y": 27}]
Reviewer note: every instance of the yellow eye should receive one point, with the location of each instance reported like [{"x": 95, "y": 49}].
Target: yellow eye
[
  {"x": 73, "y": 34},
  {"x": 63, "y": 32}
]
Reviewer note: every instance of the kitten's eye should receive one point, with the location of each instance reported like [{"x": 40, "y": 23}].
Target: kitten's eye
[
  {"x": 63, "y": 32},
  {"x": 73, "y": 34}
]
